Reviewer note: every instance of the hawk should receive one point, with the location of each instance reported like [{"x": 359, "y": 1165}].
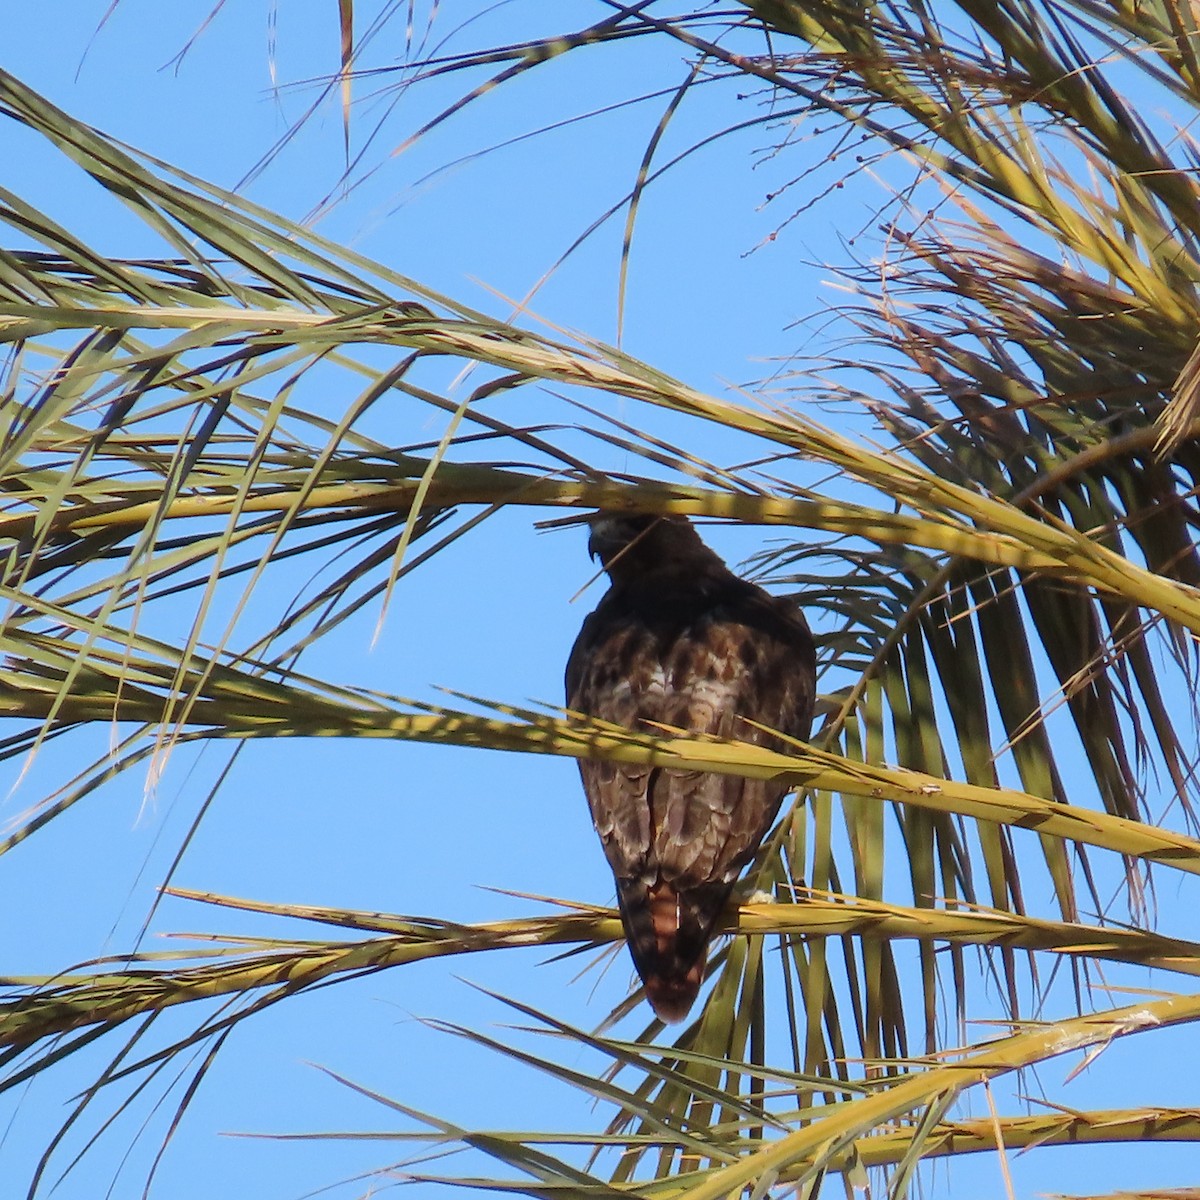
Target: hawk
[{"x": 678, "y": 639}]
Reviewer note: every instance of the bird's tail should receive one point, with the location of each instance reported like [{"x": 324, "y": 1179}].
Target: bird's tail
[{"x": 668, "y": 934}]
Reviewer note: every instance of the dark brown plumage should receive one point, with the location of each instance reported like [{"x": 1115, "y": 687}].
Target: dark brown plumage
[{"x": 680, "y": 640}]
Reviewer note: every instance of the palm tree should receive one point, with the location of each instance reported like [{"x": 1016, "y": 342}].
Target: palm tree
[{"x": 1001, "y": 568}]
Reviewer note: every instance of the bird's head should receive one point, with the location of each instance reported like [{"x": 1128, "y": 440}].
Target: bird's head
[
  {"x": 639, "y": 543},
  {"x": 611, "y": 534}
]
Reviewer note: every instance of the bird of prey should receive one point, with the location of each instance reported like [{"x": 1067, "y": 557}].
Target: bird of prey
[{"x": 678, "y": 639}]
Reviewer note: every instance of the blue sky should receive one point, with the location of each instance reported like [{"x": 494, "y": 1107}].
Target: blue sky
[{"x": 372, "y": 825}]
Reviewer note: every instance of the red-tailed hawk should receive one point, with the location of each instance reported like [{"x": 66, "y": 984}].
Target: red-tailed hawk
[{"x": 679, "y": 640}]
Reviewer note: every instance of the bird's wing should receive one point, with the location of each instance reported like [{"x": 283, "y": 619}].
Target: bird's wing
[
  {"x": 687, "y": 827},
  {"x": 612, "y": 675},
  {"x": 708, "y": 826}
]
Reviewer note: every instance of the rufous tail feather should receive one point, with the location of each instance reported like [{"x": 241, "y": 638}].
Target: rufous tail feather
[{"x": 668, "y": 934}]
